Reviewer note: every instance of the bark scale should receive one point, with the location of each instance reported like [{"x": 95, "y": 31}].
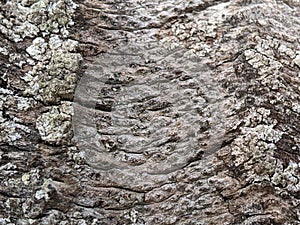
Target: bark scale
[{"x": 252, "y": 51}]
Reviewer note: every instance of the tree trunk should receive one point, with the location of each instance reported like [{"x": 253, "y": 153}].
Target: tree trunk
[{"x": 161, "y": 112}]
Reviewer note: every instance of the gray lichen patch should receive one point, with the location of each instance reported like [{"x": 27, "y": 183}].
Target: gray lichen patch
[
  {"x": 9, "y": 132},
  {"x": 51, "y": 51},
  {"x": 197, "y": 32},
  {"x": 34, "y": 37},
  {"x": 61, "y": 64},
  {"x": 37, "y": 16},
  {"x": 37, "y": 49},
  {"x": 54, "y": 126},
  {"x": 11, "y": 123}
]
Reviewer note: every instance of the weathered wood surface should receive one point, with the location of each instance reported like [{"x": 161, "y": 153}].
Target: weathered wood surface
[{"x": 219, "y": 146}]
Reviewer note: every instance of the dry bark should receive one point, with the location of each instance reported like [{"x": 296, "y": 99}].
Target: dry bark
[{"x": 213, "y": 131}]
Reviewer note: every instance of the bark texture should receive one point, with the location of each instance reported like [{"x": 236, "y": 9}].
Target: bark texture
[{"x": 241, "y": 166}]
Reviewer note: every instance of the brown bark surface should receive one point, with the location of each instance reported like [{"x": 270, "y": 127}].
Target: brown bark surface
[{"x": 202, "y": 127}]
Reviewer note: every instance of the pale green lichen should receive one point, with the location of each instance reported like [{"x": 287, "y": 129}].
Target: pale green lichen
[
  {"x": 37, "y": 49},
  {"x": 26, "y": 178},
  {"x": 61, "y": 64},
  {"x": 53, "y": 76},
  {"x": 63, "y": 60},
  {"x": 34, "y": 16},
  {"x": 55, "y": 126}
]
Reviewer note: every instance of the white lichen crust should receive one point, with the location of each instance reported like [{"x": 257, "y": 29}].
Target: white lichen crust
[
  {"x": 54, "y": 126},
  {"x": 39, "y": 63}
]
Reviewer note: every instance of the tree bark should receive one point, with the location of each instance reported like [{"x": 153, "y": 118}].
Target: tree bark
[{"x": 137, "y": 112}]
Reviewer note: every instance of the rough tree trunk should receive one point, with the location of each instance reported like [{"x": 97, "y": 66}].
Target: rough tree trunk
[{"x": 202, "y": 128}]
